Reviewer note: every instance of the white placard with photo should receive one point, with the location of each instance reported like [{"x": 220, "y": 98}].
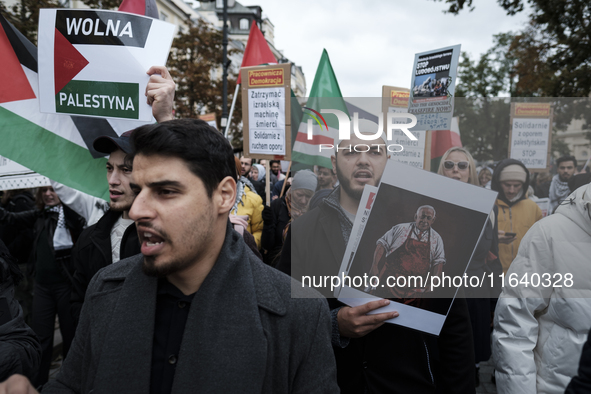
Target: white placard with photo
[{"x": 429, "y": 226}]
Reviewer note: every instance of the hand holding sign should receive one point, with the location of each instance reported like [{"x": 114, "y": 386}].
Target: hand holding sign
[
  {"x": 356, "y": 322},
  {"x": 160, "y": 93}
]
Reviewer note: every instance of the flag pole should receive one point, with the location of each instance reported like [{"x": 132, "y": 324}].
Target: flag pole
[
  {"x": 586, "y": 164},
  {"x": 285, "y": 181},
  {"x": 231, "y": 111}
]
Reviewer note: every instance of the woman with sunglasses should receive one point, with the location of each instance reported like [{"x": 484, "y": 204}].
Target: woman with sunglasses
[{"x": 457, "y": 163}]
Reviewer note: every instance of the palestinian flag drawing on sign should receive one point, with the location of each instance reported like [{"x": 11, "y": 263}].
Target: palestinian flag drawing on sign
[
  {"x": 56, "y": 146},
  {"x": 94, "y": 63}
]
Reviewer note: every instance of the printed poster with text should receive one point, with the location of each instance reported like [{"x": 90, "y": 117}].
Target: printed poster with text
[
  {"x": 395, "y": 99},
  {"x": 94, "y": 62},
  {"x": 412, "y": 239},
  {"x": 529, "y": 140},
  {"x": 432, "y": 88},
  {"x": 266, "y": 130}
]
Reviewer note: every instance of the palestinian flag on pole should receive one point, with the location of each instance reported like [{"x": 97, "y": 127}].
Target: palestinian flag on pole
[
  {"x": 257, "y": 50},
  {"x": 325, "y": 94},
  {"x": 56, "y": 146},
  {"x": 442, "y": 140},
  {"x": 140, "y": 7}
]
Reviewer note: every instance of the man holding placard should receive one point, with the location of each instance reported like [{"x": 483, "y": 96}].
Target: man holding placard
[{"x": 372, "y": 356}]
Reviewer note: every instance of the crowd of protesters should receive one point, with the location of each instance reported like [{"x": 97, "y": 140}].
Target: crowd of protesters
[{"x": 155, "y": 291}]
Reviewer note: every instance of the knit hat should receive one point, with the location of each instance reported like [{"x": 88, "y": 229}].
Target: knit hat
[
  {"x": 304, "y": 179},
  {"x": 513, "y": 172}
]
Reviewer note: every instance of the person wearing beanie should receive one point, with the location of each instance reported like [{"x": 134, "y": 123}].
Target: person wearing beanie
[
  {"x": 284, "y": 210},
  {"x": 517, "y": 213},
  {"x": 298, "y": 196}
]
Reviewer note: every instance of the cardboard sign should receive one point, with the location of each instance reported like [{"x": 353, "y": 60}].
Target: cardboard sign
[
  {"x": 266, "y": 104},
  {"x": 415, "y": 153},
  {"x": 433, "y": 85},
  {"x": 210, "y": 119},
  {"x": 94, "y": 62},
  {"x": 14, "y": 176},
  {"x": 530, "y": 135}
]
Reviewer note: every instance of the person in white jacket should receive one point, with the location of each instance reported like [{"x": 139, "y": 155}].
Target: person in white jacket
[
  {"x": 89, "y": 207},
  {"x": 544, "y": 313}
]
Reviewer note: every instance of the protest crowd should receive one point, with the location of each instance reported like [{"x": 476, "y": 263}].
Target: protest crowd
[{"x": 189, "y": 278}]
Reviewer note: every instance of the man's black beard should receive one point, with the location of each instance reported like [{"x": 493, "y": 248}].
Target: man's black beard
[
  {"x": 346, "y": 185},
  {"x": 323, "y": 185},
  {"x": 150, "y": 269}
]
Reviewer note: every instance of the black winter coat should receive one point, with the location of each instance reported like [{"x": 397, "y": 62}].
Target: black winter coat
[
  {"x": 42, "y": 221},
  {"x": 272, "y": 237},
  {"x": 482, "y": 299},
  {"x": 390, "y": 359},
  {"x": 581, "y": 384},
  {"x": 93, "y": 252},
  {"x": 19, "y": 243},
  {"x": 20, "y": 351}
]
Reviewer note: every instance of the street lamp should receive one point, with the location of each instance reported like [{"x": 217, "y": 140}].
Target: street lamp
[{"x": 225, "y": 65}]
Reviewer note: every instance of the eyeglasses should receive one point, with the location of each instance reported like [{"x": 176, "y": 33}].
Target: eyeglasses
[{"x": 449, "y": 165}]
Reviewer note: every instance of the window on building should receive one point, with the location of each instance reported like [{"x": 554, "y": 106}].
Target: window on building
[
  {"x": 244, "y": 24},
  {"x": 219, "y": 3},
  {"x": 163, "y": 16}
]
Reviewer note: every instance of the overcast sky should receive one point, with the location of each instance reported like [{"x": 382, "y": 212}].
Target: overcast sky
[{"x": 372, "y": 42}]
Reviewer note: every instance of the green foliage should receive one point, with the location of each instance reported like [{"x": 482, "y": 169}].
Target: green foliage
[
  {"x": 484, "y": 118},
  {"x": 24, "y": 14},
  {"x": 560, "y": 35},
  {"x": 195, "y": 63}
]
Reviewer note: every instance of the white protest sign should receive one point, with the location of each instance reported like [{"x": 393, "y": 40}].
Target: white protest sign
[
  {"x": 94, "y": 62},
  {"x": 14, "y": 176},
  {"x": 267, "y": 111},
  {"x": 529, "y": 139},
  {"x": 414, "y": 151},
  {"x": 432, "y": 88},
  {"x": 266, "y": 114},
  {"x": 386, "y": 217},
  {"x": 529, "y": 142}
]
